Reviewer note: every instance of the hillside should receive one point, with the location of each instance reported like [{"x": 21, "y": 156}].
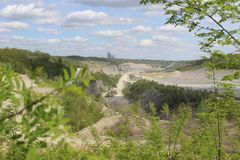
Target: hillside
[
  {"x": 141, "y": 107},
  {"x": 180, "y": 65},
  {"x": 33, "y": 63}
]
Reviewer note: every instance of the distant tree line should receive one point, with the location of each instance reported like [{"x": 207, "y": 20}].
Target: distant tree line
[
  {"x": 230, "y": 61},
  {"x": 146, "y": 92},
  {"x": 34, "y": 63}
]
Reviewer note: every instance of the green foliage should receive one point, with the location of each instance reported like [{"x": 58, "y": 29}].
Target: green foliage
[
  {"x": 194, "y": 13},
  {"x": 158, "y": 145},
  {"x": 210, "y": 137},
  {"x": 122, "y": 130},
  {"x": 7, "y": 81},
  {"x": 223, "y": 31},
  {"x": 108, "y": 81},
  {"x": 80, "y": 109},
  {"x": 219, "y": 60},
  {"x": 149, "y": 91},
  {"x": 28, "y": 119},
  {"x": 155, "y": 147},
  {"x": 175, "y": 132},
  {"x": 33, "y": 63},
  {"x": 61, "y": 151}
]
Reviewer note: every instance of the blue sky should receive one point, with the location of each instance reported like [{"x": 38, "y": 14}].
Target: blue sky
[{"x": 94, "y": 27}]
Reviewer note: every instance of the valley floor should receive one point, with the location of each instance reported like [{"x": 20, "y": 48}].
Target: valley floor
[{"x": 195, "y": 79}]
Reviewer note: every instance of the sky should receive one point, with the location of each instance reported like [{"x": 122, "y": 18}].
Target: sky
[{"x": 94, "y": 27}]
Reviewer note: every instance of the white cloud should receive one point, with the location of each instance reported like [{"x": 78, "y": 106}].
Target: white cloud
[
  {"x": 31, "y": 11},
  {"x": 151, "y": 10},
  {"x": 154, "y": 49},
  {"x": 146, "y": 43},
  {"x": 109, "y": 3},
  {"x": 77, "y": 39},
  {"x": 122, "y": 20},
  {"x": 90, "y": 18},
  {"x": 10, "y": 26},
  {"x": 126, "y": 33},
  {"x": 4, "y": 30},
  {"x": 172, "y": 28},
  {"x": 13, "y": 25},
  {"x": 54, "y": 40},
  {"x": 68, "y": 41},
  {"x": 166, "y": 39},
  {"x": 109, "y": 33},
  {"x": 141, "y": 29},
  {"x": 16, "y": 1},
  {"x": 141, "y": 39},
  {"x": 48, "y": 31},
  {"x": 117, "y": 37},
  {"x": 73, "y": 42}
]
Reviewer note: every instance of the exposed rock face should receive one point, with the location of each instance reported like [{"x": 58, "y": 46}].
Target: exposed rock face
[
  {"x": 117, "y": 102},
  {"x": 111, "y": 70},
  {"x": 129, "y": 67},
  {"x": 95, "y": 88}
]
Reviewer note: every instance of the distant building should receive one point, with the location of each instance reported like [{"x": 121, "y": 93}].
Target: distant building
[{"x": 110, "y": 56}]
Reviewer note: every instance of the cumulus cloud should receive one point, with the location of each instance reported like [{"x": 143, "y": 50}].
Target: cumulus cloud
[
  {"x": 4, "y": 30},
  {"x": 173, "y": 29},
  {"x": 90, "y": 18},
  {"x": 166, "y": 39},
  {"x": 151, "y": 10},
  {"x": 141, "y": 39},
  {"x": 117, "y": 37},
  {"x": 76, "y": 39},
  {"x": 15, "y": 41},
  {"x": 48, "y": 31},
  {"x": 54, "y": 40},
  {"x": 146, "y": 43},
  {"x": 68, "y": 41},
  {"x": 109, "y": 33},
  {"x": 14, "y": 25},
  {"x": 142, "y": 29},
  {"x": 16, "y": 1},
  {"x": 109, "y": 3},
  {"x": 31, "y": 11}
]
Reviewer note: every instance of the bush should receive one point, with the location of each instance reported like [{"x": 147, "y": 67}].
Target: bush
[
  {"x": 150, "y": 91},
  {"x": 33, "y": 63},
  {"x": 108, "y": 81},
  {"x": 80, "y": 109}
]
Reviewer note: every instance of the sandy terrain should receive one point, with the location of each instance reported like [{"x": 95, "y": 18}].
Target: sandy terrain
[
  {"x": 123, "y": 81},
  {"x": 196, "y": 79},
  {"x": 30, "y": 84},
  {"x": 139, "y": 71}
]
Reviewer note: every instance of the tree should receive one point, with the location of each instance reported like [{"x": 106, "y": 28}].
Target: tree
[
  {"x": 28, "y": 120},
  {"x": 194, "y": 13},
  {"x": 224, "y": 31}
]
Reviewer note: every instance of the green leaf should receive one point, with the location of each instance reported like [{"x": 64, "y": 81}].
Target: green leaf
[
  {"x": 32, "y": 154},
  {"x": 66, "y": 75}
]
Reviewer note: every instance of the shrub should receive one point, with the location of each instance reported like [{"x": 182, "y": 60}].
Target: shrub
[
  {"x": 80, "y": 108},
  {"x": 108, "y": 81},
  {"x": 150, "y": 91}
]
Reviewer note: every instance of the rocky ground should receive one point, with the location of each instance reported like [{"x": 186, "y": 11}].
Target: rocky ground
[
  {"x": 113, "y": 119},
  {"x": 195, "y": 79}
]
